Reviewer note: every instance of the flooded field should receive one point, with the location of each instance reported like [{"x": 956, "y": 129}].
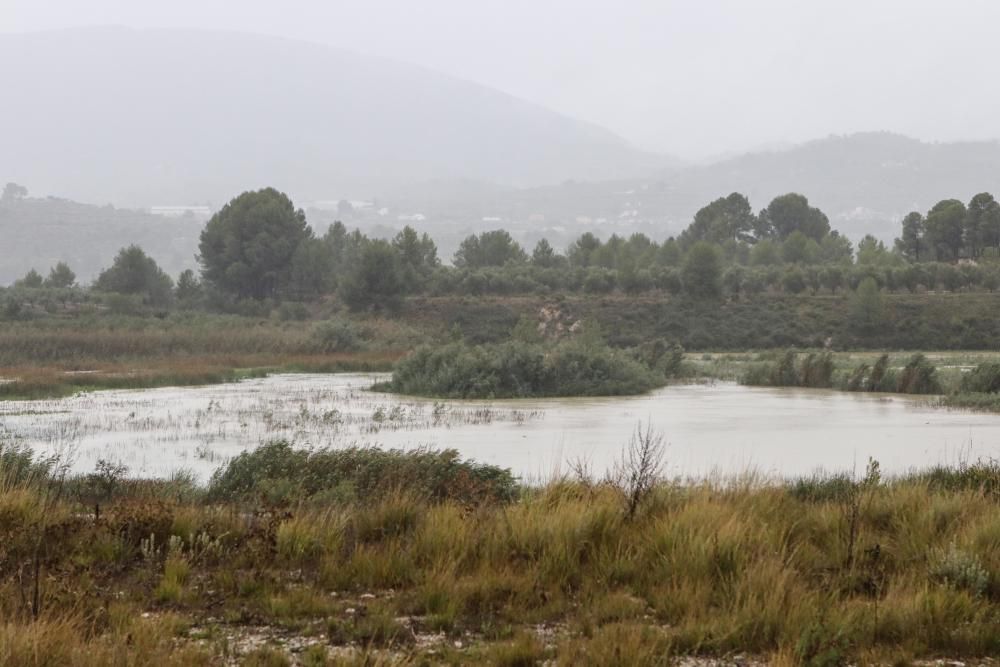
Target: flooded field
[{"x": 710, "y": 429}]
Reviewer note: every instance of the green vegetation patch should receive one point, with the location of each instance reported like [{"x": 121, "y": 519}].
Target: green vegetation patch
[
  {"x": 277, "y": 473},
  {"x": 522, "y": 370}
]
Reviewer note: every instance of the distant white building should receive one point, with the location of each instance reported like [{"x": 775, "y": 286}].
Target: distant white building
[{"x": 179, "y": 211}]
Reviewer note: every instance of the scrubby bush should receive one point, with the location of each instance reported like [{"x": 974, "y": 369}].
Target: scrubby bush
[
  {"x": 959, "y": 569},
  {"x": 340, "y": 335},
  {"x": 815, "y": 370},
  {"x": 872, "y": 378},
  {"x": 821, "y": 488},
  {"x": 985, "y": 378},
  {"x": 980, "y": 476},
  {"x": 19, "y": 465},
  {"x": 662, "y": 356},
  {"x": 279, "y": 473},
  {"x": 919, "y": 376}
]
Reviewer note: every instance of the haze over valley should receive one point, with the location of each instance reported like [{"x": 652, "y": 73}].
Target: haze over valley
[{"x": 174, "y": 119}]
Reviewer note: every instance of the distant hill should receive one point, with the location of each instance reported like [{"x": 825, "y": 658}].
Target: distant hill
[
  {"x": 146, "y": 117},
  {"x": 865, "y": 182},
  {"x": 38, "y": 233},
  {"x": 859, "y": 179}
]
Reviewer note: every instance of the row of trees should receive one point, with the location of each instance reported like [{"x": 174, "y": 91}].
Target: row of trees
[
  {"x": 60, "y": 277},
  {"x": 260, "y": 247},
  {"x": 951, "y": 230}
]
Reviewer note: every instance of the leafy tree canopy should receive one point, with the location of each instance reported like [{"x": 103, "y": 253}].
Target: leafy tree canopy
[
  {"x": 247, "y": 247},
  {"x": 790, "y": 213},
  {"x": 135, "y": 273},
  {"x": 494, "y": 248}
]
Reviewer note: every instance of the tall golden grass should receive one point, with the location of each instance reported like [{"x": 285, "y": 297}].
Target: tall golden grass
[{"x": 561, "y": 574}]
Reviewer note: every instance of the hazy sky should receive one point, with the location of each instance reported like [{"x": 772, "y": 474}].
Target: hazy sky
[{"x": 692, "y": 77}]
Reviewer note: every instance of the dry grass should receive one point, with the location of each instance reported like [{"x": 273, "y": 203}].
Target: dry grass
[{"x": 561, "y": 574}]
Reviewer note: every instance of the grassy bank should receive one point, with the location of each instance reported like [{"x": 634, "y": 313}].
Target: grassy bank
[
  {"x": 929, "y": 321},
  {"x": 382, "y": 559},
  {"x": 38, "y": 382},
  {"x": 50, "y": 358},
  {"x": 53, "y": 356}
]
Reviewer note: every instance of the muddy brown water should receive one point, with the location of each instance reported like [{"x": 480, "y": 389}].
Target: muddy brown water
[{"x": 710, "y": 429}]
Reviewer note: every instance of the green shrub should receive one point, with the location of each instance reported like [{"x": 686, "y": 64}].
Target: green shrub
[
  {"x": 815, "y": 370},
  {"x": 959, "y": 569},
  {"x": 19, "y": 465},
  {"x": 919, "y": 376},
  {"x": 278, "y": 473},
  {"x": 985, "y": 378},
  {"x": 339, "y": 335},
  {"x": 982, "y": 476},
  {"x": 519, "y": 370},
  {"x": 822, "y": 488},
  {"x": 872, "y": 378}
]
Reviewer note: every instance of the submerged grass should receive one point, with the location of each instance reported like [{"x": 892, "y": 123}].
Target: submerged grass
[
  {"x": 826, "y": 570},
  {"x": 51, "y": 358},
  {"x": 39, "y": 382}
]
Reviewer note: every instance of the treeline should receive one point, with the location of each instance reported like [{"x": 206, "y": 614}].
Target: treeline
[
  {"x": 816, "y": 370},
  {"x": 84, "y": 236},
  {"x": 259, "y": 249},
  {"x": 952, "y": 231}
]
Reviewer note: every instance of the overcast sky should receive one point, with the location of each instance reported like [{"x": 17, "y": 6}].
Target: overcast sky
[{"x": 694, "y": 78}]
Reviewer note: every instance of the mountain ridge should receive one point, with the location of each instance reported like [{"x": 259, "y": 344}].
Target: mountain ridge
[{"x": 211, "y": 113}]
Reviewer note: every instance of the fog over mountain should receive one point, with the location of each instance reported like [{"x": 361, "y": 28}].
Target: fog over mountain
[
  {"x": 145, "y": 117},
  {"x": 141, "y": 117},
  {"x": 865, "y": 182}
]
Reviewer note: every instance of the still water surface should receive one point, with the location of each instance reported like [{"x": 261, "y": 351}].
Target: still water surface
[{"x": 711, "y": 429}]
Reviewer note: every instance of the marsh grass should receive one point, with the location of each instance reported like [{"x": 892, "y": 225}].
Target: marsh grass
[
  {"x": 52, "y": 358},
  {"x": 38, "y": 382},
  {"x": 825, "y": 570}
]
